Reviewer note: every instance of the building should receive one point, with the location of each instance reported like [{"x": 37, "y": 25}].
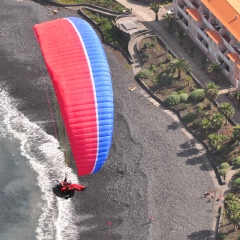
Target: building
[{"x": 214, "y": 25}]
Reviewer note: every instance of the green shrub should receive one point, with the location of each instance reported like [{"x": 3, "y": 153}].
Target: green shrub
[
  {"x": 146, "y": 56},
  {"x": 154, "y": 38},
  {"x": 166, "y": 79},
  {"x": 220, "y": 159},
  {"x": 195, "y": 124},
  {"x": 146, "y": 45},
  {"x": 224, "y": 165},
  {"x": 173, "y": 100},
  {"x": 236, "y": 161},
  {"x": 222, "y": 236},
  {"x": 223, "y": 171},
  {"x": 159, "y": 65},
  {"x": 169, "y": 57},
  {"x": 198, "y": 95},
  {"x": 238, "y": 173},
  {"x": 163, "y": 67},
  {"x": 199, "y": 107},
  {"x": 153, "y": 44},
  {"x": 183, "y": 97},
  {"x": 145, "y": 74},
  {"x": 152, "y": 67},
  {"x": 181, "y": 91},
  {"x": 182, "y": 106},
  {"x": 189, "y": 117},
  {"x": 236, "y": 183}
]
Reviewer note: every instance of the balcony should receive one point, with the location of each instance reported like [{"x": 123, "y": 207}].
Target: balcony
[
  {"x": 185, "y": 24},
  {"x": 237, "y": 48},
  {"x": 217, "y": 27},
  {"x": 192, "y": 4},
  {"x": 201, "y": 42},
  {"x": 226, "y": 68},
  {"x": 202, "y": 34},
  {"x": 182, "y": 5},
  {"x": 195, "y": 5},
  {"x": 223, "y": 57},
  {"x": 206, "y": 16},
  {"x": 181, "y": 11},
  {"x": 226, "y": 38}
]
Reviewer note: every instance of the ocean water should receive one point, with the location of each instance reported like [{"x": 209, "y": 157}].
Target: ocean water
[{"x": 30, "y": 164}]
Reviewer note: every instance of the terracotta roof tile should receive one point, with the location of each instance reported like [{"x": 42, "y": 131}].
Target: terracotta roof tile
[
  {"x": 226, "y": 14},
  {"x": 233, "y": 57},
  {"x": 194, "y": 14},
  {"x": 215, "y": 36}
]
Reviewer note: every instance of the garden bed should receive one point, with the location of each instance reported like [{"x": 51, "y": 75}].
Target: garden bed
[{"x": 163, "y": 83}]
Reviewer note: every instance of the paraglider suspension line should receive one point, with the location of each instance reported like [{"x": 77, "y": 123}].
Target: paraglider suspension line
[{"x": 50, "y": 108}]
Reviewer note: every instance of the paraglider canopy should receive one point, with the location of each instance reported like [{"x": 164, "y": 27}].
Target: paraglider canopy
[{"x": 80, "y": 74}]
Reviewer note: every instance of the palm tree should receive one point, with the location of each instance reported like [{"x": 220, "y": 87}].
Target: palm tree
[
  {"x": 236, "y": 133},
  {"x": 212, "y": 92},
  {"x": 188, "y": 79},
  {"x": 233, "y": 213},
  {"x": 204, "y": 60},
  {"x": 181, "y": 33},
  {"x": 169, "y": 20},
  {"x": 179, "y": 65},
  {"x": 216, "y": 142},
  {"x": 206, "y": 124},
  {"x": 215, "y": 69},
  {"x": 227, "y": 110},
  {"x": 218, "y": 120},
  {"x": 155, "y": 7}
]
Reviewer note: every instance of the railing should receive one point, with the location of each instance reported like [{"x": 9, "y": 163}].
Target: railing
[
  {"x": 182, "y": 12},
  {"x": 184, "y": 25},
  {"x": 202, "y": 34},
  {"x": 228, "y": 45},
  {"x": 207, "y": 23},
  {"x": 189, "y": 4},
  {"x": 201, "y": 44},
  {"x": 223, "y": 57}
]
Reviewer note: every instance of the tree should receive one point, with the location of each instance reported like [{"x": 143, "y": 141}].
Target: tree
[
  {"x": 212, "y": 92},
  {"x": 233, "y": 211},
  {"x": 155, "y": 7},
  {"x": 216, "y": 142},
  {"x": 169, "y": 20},
  {"x": 236, "y": 133},
  {"x": 204, "y": 60},
  {"x": 227, "y": 110},
  {"x": 206, "y": 124},
  {"x": 181, "y": 33},
  {"x": 218, "y": 120},
  {"x": 188, "y": 79},
  {"x": 215, "y": 69},
  {"x": 179, "y": 65}
]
